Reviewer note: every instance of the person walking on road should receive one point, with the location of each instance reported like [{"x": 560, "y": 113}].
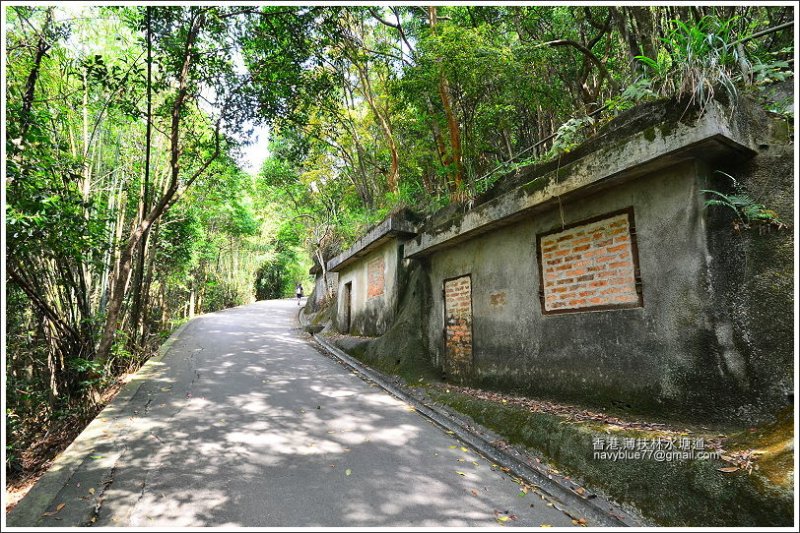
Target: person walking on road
[{"x": 299, "y": 292}]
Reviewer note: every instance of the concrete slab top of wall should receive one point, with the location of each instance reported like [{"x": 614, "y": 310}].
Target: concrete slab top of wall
[
  {"x": 717, "y": 133},
  {"x": 397, "y": 225}
]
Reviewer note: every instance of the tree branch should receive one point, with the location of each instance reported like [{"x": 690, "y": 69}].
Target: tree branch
[{"x": 589, "y": 55}]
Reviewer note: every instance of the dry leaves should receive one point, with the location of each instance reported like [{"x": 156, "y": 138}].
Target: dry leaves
[
  {"x": 572, "y": 412},
  {"x": 58, "y": 510},
  {"x": 740, "y": 460},
  {"x": 503, "y": 516}
]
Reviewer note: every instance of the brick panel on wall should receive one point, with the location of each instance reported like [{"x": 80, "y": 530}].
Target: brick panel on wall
[
  {"x": 375, "y": 281},
  {"x": 458, "y": 326},
  {"x": 590, "y": 266}
]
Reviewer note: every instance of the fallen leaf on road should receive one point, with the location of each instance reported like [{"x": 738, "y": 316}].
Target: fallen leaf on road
[
  {"x": 460, "y": 473},
  {"x": 463, "y": 449},
  {"x": 453, "y": 447},
  {"x": 91, "y": 491},
  {"x": 348, "y": 472},
  {"x": 58, "y": 508},
  {"x": 545, "y": 525}
]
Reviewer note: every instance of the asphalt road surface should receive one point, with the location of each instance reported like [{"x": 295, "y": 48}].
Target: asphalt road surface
[{"x": 245, "y": 423}]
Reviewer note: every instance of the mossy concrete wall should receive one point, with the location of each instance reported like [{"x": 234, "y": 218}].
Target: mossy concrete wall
[
  {"x": 751, "y": 277},
  {"x": 401, "y": 350},
  {"x": 323, "y": 289},
  {"x": 369, "y": 315},
  {"x": 647, "y": 357},
  {"x": 713, "y": 339}
]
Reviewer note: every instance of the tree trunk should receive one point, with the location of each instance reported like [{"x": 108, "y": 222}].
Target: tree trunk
[
  {"x": 121, "y": 278},
  {"x": 139, "y": 298},
  {"x": 452, "y": 122},
  {"x": 392, "y": 177},
  {"x": 42, "y": 46}
]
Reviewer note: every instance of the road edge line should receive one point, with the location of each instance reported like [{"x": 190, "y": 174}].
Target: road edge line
[{"x": 29, "y": 510}]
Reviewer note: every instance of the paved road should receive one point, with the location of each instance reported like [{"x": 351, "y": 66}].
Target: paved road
[{"x": 244, "y": 423}]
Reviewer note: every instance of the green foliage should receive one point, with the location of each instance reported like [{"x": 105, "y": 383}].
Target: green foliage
[
  {"x": 637, "y": 92},
  {"x": 696, "y": 59},
  {"x": 271, "y": 280},
  {"x": 569, "y": 135},
  {"x": 746, "y": 210},
  {"x": 221, "y": 294}
]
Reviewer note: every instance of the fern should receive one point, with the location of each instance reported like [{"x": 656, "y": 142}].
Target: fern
[{"x": 745, "y": 208}]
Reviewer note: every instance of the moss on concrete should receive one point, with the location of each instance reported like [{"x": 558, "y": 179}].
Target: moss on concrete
[
  {"x": 773, "y": 445},
  {"x": 400, "y": 351},
  {"x": 676, "y": 493}
]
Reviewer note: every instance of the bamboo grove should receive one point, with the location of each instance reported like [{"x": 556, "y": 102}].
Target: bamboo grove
[{"x": 128, "y": 207}]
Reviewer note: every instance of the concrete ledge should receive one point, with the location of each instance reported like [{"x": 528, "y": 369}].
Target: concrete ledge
[
  {"x": 397, "y": 225},
  {"x": 41, "y": 498},
  {"x": 714, "y": 135}
]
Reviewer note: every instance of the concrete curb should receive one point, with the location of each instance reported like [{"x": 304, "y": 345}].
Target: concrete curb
[
  {"x": 29, "y": 511},
  {"x": 596, "y": 510}
]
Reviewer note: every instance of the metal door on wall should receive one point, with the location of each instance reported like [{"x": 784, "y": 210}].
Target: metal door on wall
[
  {"x": 457, "y": 294},
  {"x": 347, "y": 292}
]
